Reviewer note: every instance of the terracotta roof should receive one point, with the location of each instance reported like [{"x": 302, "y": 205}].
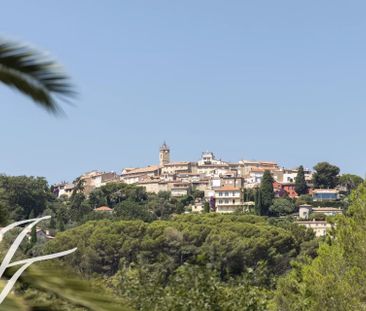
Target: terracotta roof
[
  {"x": 103, "y": 209},
  {"x": 325, "y": 191},
  {"x": 147, "y": 169},
  {"x": 149, "y": 181},
  {"x": 177, "y": 163},
  {"x": 324, "y": 209},
  {"x": 228, "y": 188},
  {"x": 311, "y": 222},
  {"x": 69, "y": 186}
]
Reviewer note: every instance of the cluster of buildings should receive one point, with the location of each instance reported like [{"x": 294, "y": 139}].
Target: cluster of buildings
[{"x": 222, "y": 182}]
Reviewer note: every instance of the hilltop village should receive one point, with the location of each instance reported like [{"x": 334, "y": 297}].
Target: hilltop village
[{"x": 226, "y": 187}]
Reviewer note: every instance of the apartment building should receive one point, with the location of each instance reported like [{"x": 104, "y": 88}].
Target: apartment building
[{"x": 228, "y": 199}]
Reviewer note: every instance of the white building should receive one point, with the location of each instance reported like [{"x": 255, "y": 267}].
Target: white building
[
  {"x": 305, "y": 211},
  {"x": 228, "y": 199},
  {"x": 319, "y": 227}
]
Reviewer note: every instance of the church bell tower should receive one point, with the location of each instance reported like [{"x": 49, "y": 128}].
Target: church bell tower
[{"x": 164, "y": 154}]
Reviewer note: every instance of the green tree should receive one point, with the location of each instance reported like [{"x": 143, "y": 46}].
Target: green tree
[
  {"x": 130, "y": 209},
  {"x": 35, "y": 75},
  {"x": 282, "y": 207},
  {"x": 300, "y": 183},
  {"x": 33, "y": 235},
  {"x": 350, "y": 182},
  {"x": 4, "y": 214},
  {"x": 258, "y": 202},
  {"x": 206, "y": 207},
  {"x": 266, "y": 192},
  {"x": 22, "y": 195},
  {"x": 336, "y": 279},
  {"x": 326, "y": 175},
  {"x": 52, "y": 222},
  {"x": 60, "y": 223},
  {"x": 33, "y": 239}
]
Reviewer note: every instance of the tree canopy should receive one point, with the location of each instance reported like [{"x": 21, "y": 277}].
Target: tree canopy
[
  {"x": 350, "y": 181},
  {"x": 282, "y": 207},
  {"x": 336, "y": 279},
  {"x": 326, "y": 175},
  {"x": 300, "y": 183},
  {"x": 266, "y": 193}
]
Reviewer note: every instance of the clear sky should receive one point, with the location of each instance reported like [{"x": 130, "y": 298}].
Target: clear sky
[{"x": 269, "y": 80}]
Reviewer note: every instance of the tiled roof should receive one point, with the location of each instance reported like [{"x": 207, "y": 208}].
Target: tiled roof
[
  {"x": 325, "y": 209},
  {"x": 325, "y": 191},
  {"x": 147, "y": 169},
  {"x": 176, "y": 163},
  {"x": 228, "y": 188},
  {"x": 103, "y": 209}
]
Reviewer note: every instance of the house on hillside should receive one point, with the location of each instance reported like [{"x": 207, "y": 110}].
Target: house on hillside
[{"x": 325, "y": 194}]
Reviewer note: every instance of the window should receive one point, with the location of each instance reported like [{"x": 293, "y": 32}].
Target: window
[
  {"x": 220, "y": 194},
  {"x": 226, "y": 194},
  {"x": 226, "y": 201},
  {"x": 220, "y": 201}
]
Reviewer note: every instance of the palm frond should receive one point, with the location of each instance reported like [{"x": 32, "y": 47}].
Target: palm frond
[{"x": 35, "y": 75}]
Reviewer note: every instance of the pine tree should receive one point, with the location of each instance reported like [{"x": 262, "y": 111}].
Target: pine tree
[
  {"x": 267, "y": 193},
  {"x": 300, "y": 183}
]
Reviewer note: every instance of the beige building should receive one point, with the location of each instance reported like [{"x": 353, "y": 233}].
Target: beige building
[
  {"x": 230, "y": 179},
  {"x": 179, "y": 189},
  {"x": 228, "y": 199},
  {"x": 133, "y": 176},
  {"x": 247, "y": 166},
  {"x": 64, "y": 189},
  {"x": 305, "y": 210},
  {"x": 96, "y": 179},
  {"x": 176, "y": 168},
  {"x": 319, "y": 227},
  {"x": 208, "y": 165}
]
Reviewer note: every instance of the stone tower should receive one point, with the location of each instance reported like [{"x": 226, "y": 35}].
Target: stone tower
[{"x": 164, "y": 154}]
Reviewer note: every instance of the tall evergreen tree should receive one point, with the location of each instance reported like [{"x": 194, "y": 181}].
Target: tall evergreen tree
[
  {"x": 267, "y": 193},
  {"x": 258, "y": 202},
  {"x": 300, "y": 183},
  {"x": 34, "y": 235},
  {"x": 34, "y": 229},
  {"x": 60, "y": 223}
]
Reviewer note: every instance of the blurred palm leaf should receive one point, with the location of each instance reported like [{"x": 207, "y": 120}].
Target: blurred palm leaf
[
  {"x": 52, "y": 287},
  {"x": 35, "y": 75}
]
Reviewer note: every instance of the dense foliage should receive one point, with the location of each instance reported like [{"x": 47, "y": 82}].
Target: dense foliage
[
  {"x": 21, "y": 195},
  {"x": 326, "y": 175},
  {"x": 300, "y": 183},
  {"x": 336, "y": 279},
  {"x": 265, "y": 194},
  {"x": 350, "y": 182},
  {"x": 147, "y": 263}
]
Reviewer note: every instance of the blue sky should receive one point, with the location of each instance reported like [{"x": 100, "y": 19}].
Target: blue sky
[{"x": 271, "y": 80}]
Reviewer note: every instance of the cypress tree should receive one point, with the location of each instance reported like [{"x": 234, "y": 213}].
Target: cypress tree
[
  {"x": 34, "y": 235},
  {"x": 60, "y": 223},
  {"x": 34, "y": 230},
  {"x": 258, "y": 202},
  {"x": 267, "y": 193},
  {"x": 300, "y": 183}
]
